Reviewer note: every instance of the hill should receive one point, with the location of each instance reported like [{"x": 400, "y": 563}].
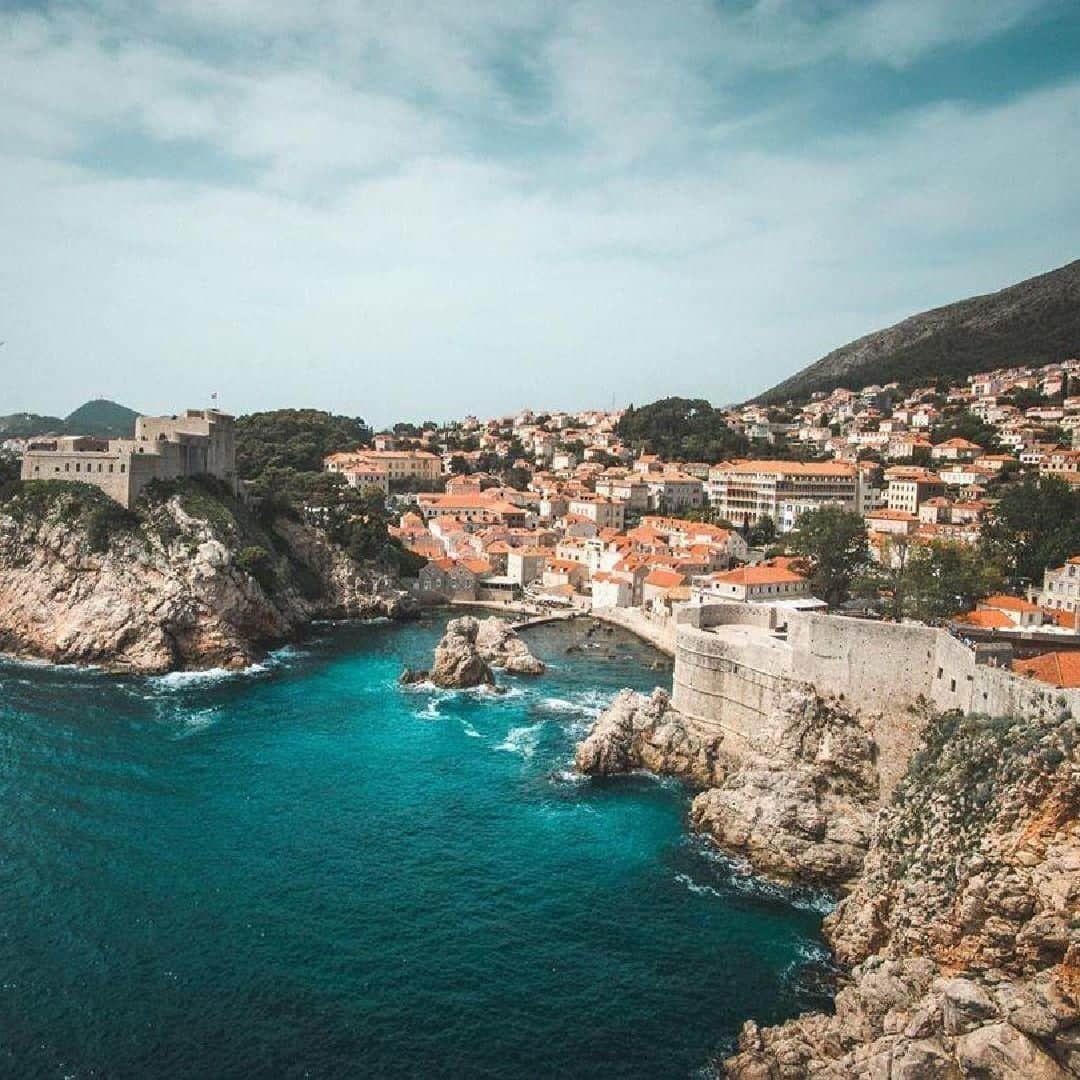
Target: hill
[
  {"x": 681, "y": 429},
  {"x": 102, "y": 417},
  {"x": 23, "y": 424},
  {"x": 99, "y": 417},
  {"x": 1034, "y": 322}
]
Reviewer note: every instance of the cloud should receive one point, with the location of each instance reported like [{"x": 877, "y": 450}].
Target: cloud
[{"x": 382, "y": 223}]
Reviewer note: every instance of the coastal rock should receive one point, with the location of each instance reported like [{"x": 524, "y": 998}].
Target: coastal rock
[
  {"x": 802, "y": 812},
  {"x": 170, "y": 591},
  {"x": 499, "y": 644},
  {"x": 962, "y": 933},
  {"x": 641, "y": 731},
  {"x": 458, "y": 661}
]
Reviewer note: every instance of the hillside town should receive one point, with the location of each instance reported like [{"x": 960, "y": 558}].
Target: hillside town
[
  {"x": 884, "y": 502},
  {"x": 544, "y": 510}
]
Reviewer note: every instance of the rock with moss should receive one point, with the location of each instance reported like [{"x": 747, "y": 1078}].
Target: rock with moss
[
  {"x": 188, "y": 579},
  {"x": 962, "y": 934}
]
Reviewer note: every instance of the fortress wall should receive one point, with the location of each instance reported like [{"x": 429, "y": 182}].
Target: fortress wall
[
  {"x": 730, "y": 683},
  {"x": 728, "y": 689}
]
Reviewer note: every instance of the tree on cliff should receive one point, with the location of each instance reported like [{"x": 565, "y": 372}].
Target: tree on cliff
[
  {"x": 296, "y": 439},
  {"x": 1035, "y": 525},
  {"x": 681, "y": 429},
  {"x": 833, "y": 542}
]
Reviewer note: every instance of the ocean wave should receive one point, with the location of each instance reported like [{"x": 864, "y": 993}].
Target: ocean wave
[
  {"x": 570, "y": 777},
  {"x": 740, "y": 876},
  {"x": 430, "y": 711},
  {"x": 469, "y": 729},
  {"x": 699, "y": 890},
  {"x": 521, "y": 740},
  {"x": 193, "y": 722},
  {"x": 185, "y": 680},
  {"x": 10, "y": 660}
]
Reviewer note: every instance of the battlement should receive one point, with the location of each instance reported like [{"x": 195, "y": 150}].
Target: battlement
[
  {"x": 734, "y": 661},
  {"x": 201, "y": 442}
]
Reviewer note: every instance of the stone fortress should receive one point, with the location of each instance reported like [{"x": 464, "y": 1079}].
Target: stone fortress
[
  {"x": 201, "y": 442},
  {"x": 734, "y": 663}
]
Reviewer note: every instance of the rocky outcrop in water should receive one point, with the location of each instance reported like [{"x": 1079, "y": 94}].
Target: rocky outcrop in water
[
  {"x": 802, "y": 811},
  {"x": 500, "y": 645},
  {"x": 962, "y": 935},
  {"x": 469, "y": 650},
  {"x": 458, "y": 661},
  {"x": 190, "y": 582},
  {"x": 799, "y": 811}
]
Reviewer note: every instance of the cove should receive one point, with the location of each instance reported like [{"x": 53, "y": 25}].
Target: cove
[{"x": 306, "y": 870}]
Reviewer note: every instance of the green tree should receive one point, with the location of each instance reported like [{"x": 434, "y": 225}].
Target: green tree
[
  {"x": 9, "y": 475},
  {"x": 943, "y": 579},
  {"x": 1035, "y": 524},
  {"x": 296, "y": 439},
  {"x": 833, "y": 541},
  {"x": 681, "y": 429},
  {"x": 968, "y": 426},
  {"x": 763, "y": 533}
]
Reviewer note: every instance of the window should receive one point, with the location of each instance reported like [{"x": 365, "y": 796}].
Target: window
[{"x": 122, "y": 467}]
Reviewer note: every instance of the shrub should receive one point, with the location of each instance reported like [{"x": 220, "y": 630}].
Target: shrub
[{"x": 259, "y": 563}]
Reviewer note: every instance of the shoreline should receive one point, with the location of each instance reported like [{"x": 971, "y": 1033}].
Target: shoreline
[{"x": 633, "y": 620}]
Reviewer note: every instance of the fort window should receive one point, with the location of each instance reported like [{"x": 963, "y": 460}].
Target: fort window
[
  {"x": 952, "y": 685},
  {"x": 122, "y": 467}
]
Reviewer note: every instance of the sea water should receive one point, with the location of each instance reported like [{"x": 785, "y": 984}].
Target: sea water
[{"x": 308, "y": 870}]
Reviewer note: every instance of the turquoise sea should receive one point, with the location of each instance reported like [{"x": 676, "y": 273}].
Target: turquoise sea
[{"x": 306, "y": 871}]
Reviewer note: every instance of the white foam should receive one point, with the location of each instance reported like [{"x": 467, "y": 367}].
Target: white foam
[
  {"x": 470, "y": 730},
  {"x": 694, "y": 887},
  {"x": 199, "y": 720},
  {"x": 182, "y": 680},
  {"x": 430, "y": 711},
  {"x": 521, "y": 740}
]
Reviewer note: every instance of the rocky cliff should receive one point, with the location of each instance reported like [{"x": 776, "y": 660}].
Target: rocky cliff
[
  {"x": 961, "y": 927},
  {"x": 802, "y": 811},
  {"x": 962, "y": 934},
  {"x": 189, "y": 581}
]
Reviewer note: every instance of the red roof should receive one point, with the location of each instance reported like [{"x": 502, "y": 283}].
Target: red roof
[
  {"x": 664, "y": 579},
  {"x": 1057, "y": 668}
]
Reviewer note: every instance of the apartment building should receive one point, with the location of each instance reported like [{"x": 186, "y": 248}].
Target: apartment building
[
  {"x": 398, "y": 464},
  {"x": 747, "y": 491}
]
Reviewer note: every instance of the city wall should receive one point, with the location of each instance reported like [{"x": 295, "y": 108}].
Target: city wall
[{"x": 733, "y": 663}]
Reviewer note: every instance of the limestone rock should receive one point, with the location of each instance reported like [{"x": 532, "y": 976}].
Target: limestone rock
[
  {"x": 168, "y": 592},
  {"x": 641, "y": 731},
  {"x": 961, "y": 934},
  {"x": 458, "y": 661},
  {"x": 499, "y": 644}
]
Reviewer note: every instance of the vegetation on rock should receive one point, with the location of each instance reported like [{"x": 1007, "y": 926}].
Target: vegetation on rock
[
  {"x": 1037, "y": 319},
  {"x": 680, "y": 429}
]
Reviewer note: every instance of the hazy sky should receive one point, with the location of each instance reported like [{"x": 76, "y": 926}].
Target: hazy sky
[{"x": 407, "y": 209}]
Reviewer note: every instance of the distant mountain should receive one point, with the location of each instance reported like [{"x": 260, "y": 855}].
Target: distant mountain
[
  {"x": 20, "y": 425},
  {"x": 1035, "y": 322},
  {"x": 102, "y": 417}
]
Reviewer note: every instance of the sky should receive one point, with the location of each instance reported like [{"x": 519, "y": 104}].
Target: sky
[{"x": 409, "y": 210}]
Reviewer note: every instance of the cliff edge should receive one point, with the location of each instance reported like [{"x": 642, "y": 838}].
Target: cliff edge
[{"x": 190, "y": 579}]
